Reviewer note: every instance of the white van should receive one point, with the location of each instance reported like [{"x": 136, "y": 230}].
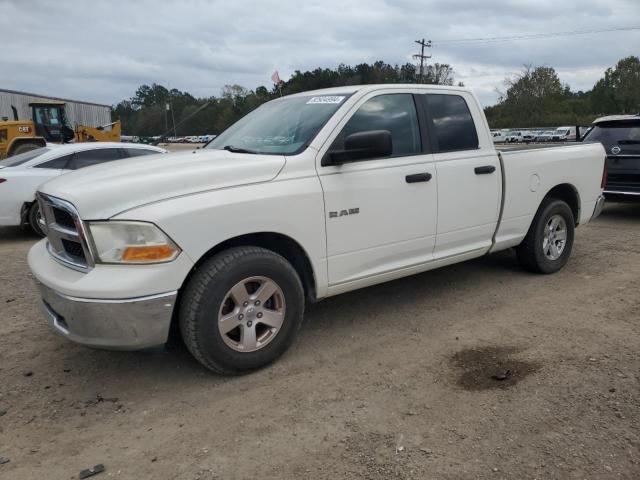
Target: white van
[{"x": 563, "y": 134}]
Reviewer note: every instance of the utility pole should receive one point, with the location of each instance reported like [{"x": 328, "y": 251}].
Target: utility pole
[
  {"x": 422, "y": 56},
  {"x": 169, "y": 109},
  {"x": 166, "y": 117},
  {"x": 173, "y": 118}
]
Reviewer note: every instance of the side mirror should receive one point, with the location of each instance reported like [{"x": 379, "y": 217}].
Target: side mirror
[{"x": 361, "y": 146}]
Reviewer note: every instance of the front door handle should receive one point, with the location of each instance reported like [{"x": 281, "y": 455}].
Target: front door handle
[
  {"x": 418, "y": 177},
  {"x": 485, "y": 169}
]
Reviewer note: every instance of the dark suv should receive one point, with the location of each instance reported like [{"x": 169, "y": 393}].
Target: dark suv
[{"x": 620, "y": 136}]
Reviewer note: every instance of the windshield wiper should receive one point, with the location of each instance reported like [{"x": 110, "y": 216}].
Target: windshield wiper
[
  {"x": 232, "y": 149},
  {"x": 629, "y": 142}
]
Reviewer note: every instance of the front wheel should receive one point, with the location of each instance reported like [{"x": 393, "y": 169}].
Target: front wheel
[
  {"x": 241, "y": 310},
  {"x": 547, "y": 246},
  {"x": 35, "y": 219}
]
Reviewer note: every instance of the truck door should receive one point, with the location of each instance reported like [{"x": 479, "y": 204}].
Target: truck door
[
  {"x": 380, "y": 212},
  {"x": 469, "y": 175}
]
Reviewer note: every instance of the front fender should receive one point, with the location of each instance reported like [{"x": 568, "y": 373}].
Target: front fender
[{"x": 199, "y": 222}]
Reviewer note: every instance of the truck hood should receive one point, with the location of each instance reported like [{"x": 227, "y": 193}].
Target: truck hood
[{"x": 102, "y": 191}]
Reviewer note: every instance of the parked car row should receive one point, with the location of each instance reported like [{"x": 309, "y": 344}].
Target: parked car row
[
  {"x": 191, "y": 139},
  {"x": 560, "y": 134},
  {"x": 157, "y": 138}
]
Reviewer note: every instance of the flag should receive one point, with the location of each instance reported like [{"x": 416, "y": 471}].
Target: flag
[{"x": 276, "y": 78}]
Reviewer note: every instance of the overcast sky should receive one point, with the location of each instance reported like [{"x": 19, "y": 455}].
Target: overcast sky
[{"x": 102, "y": 51}]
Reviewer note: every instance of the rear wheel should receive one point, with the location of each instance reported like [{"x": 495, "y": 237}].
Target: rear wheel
[
  {"x": 25, "y": 147},
  {"x": 547, "y": 246},
  {"x": 241, "y": 310},
  {"x": 35, "y": 219}
]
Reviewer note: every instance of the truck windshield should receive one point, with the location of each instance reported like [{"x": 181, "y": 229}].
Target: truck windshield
[
  {"x": 625, "y": 136},
  {"x": 284, "y": 126}
]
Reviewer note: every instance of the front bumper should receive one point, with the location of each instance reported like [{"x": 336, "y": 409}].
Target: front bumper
[
  {"x": 122, "y": 324},
  {"x": 623, "y": 194},
  {"x": 110, "y": 306},
  {"x": 597, "y": 210}
]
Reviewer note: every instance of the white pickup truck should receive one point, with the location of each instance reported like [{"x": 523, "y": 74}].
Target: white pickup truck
[{"x": 309, "y": 196}]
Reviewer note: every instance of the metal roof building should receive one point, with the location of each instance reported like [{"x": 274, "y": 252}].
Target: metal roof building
[{"x": 78, "y": 112}]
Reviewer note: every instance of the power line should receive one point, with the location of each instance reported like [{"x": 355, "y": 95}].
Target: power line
[{"x": 530, "y": 36}]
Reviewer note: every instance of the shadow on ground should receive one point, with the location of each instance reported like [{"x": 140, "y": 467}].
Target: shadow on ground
[
  {"x": 17, "y": 234},
  {"x": 621, "y": 211}
]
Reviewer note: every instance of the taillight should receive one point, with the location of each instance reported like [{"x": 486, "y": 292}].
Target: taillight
[{"x": 604, "y": 175}]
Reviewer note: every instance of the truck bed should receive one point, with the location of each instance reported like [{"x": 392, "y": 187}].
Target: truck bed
[{"x": 530, "y": 173}]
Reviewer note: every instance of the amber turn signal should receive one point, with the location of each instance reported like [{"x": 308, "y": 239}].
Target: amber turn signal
[{"x": 148, "y": 253}]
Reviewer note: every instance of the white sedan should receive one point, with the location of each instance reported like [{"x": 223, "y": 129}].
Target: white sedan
[{"x": 21, "y": 175}]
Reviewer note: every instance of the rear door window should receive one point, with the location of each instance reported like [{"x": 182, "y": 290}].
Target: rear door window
[
  {"x": 21, "y": 158},
  {"x": 88, "y": 158},
  {"x": 138, "y": 152},
  {"x": 451, "y": 123},
  {"x": 57, "y": 163}
]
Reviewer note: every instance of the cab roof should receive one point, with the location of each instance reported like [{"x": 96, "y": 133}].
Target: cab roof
[{"x": 351, "y": 89}]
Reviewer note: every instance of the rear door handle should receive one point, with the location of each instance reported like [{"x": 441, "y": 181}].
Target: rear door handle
[
  {"x": 485, "y": 169},
  {"x": 418, "y": 177}
]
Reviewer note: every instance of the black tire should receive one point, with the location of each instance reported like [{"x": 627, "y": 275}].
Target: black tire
[
  {"x": 25, "y": 147},
  {"x": 531, "y": 254},
  {"x": 203, "y": 299},
  {"x": 33, "y": 216}
]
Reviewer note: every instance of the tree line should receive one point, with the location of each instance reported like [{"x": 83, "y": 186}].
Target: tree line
[
  {"x": 535, "y": 97},
  {"x": 146, "y": 114}
]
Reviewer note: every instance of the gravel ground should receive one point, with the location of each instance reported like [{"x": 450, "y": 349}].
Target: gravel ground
[{"x": 387, "y": 382}]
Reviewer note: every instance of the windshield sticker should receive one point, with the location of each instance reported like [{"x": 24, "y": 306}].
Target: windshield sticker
[{"x": 325, "y": 100}]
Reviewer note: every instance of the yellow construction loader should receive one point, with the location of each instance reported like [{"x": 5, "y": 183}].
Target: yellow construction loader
[{"x": 48, "y": 124}]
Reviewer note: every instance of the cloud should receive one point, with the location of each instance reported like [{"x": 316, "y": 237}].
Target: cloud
[{"x": 102, "y": 51}]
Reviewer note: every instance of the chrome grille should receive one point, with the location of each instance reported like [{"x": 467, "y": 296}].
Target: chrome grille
[
  {"x": 66, "y": 234},
  {"x": 63, "y": 218}
]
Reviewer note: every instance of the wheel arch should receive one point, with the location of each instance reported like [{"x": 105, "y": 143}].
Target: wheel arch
[
  {"x": 279, "y": 243},
  {"x": 569, "y": 194},
  {"x": 24, "y": 211}
]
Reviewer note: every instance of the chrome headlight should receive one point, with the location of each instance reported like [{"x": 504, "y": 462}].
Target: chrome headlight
[{"x": 131, "y": 242}]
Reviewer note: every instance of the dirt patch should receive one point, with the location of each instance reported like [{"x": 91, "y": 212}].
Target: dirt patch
[{"x": 489, "y": 368}]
